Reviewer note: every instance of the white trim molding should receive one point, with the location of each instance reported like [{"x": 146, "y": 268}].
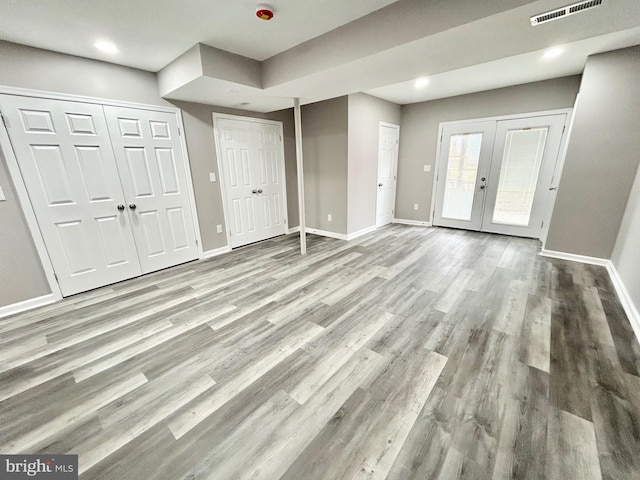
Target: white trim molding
[
  {"x": 215, "y": 252},
  {"x": 625, "y": 299},
  {"x": 27, "y": 305},
  {"x": 359, "y": 233},
  {"x": 572, "y": 257},
  {"x": 412, "y": 222},
  {"x": 325, "y": 233},
  {"x": 623, "y": 295},
  {"x": 293, "y": 230}
]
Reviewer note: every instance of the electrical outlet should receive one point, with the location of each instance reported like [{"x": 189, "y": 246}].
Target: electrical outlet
[
  {"x": 329, "y": 217},
  {"x": 415, "y": 206},
  {"x": 427, "y": 168},
  {"x": 219, "y": 228},
  {"x": 212, "y": 178}
]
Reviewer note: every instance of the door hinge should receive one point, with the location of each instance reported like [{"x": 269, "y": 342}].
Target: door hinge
[
  {"x": 542, "y": 224},
  {"x": 4, "y": 120},
  {"x": 392, "y": 212},
  {"x": 179, "y": 132},
  {"x": 563, "y": 128},
  {"x": 196, "y": 242},
  {"x": 285, "y": 221},
  {"x": 55, "y": 275}
]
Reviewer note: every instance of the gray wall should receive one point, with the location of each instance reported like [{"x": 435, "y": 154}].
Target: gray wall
[
  {"x": 21, "y": 274},
  {"x": 602, "y": 157},
  {"x": 198, "y": 125},
  {"x": 37, "y": 69},
  {"x": 365, "y": 114},
  {"x": 325, "y": 150},
  {"x": 419, "y": 131},
  {"x": 626, "y": 253}
]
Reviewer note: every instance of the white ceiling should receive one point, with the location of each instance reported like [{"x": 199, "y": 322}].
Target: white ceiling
[
  {"x": 151, "y": 33},
  {"x": 327, "y": 48}
]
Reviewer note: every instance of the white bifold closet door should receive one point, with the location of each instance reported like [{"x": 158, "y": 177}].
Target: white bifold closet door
[
  {"x": 252, "y": 163},
  {"x": 152, "y": 171},
  {"x": 74, "y": 177}
]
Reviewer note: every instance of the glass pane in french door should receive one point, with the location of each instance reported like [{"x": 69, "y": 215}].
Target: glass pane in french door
[
  {"x": 519, "y": 172},
  {"x": 462, "y": 172}
]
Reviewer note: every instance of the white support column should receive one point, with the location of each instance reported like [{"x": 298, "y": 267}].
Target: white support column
[{"x": 298, "y": 124}]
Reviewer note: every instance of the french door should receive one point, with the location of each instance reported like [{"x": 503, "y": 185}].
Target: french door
[
  {"x": 251, "y": 160},
  {"x": 495, "y": 176}
]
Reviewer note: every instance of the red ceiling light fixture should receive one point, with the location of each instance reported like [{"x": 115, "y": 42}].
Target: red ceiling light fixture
[{"x": 264, "y": 11}]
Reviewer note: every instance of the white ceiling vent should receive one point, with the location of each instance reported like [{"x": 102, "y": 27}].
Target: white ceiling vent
[{"x": 564, "y": 12}]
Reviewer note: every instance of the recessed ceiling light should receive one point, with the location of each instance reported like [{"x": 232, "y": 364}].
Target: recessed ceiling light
[
  {"x": 553, "y": 52},
  {"x": 422, "y": 82},
  {"x": 105, "y": 46}
]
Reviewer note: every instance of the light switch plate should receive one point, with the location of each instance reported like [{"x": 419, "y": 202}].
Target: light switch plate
[
  {"x": 219, "y": 228},
  {"x": 427, "y": 168},
  {"x": 2, "y": 197},
  {"x": 212, "y": 177}
]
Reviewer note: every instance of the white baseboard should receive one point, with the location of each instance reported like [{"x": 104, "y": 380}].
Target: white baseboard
[
  {"x": 623, "y": 295},
  {"x": 575, "y": 258},
  {"x": 293, "y": 230},
  {"x": 411, "y": 222},
  {"x": 625, "y": 299},
  {"x": 359, "y": 233},
  {"x": 216, "y": 252},
  {"x": 324, "y": 233},
  {"x": 27, "y": 305}
]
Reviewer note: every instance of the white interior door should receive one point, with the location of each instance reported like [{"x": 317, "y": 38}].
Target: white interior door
[
  {"x": 463, "y": 167},
  {"x": 387, "y": 170},
  {"x": 154, "y": 178},
  {"x": 252, "y": 164},
  {"x": 495, "y": 176},
  {"x": 67, "y": 163},
  {"x": 525, "y": 154}
]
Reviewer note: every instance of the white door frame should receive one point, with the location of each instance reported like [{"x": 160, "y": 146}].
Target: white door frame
[
  {"x": 221, "y": 177},
  {"x": 563, "y": 142},
  {"x": 21, "y": 189},
  {"x": 395, "y": 169}
]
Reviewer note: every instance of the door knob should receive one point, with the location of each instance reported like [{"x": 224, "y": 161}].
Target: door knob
[
  {"x": 482, "y": 187},
  {"x": 260, "y": 190},
  {"x": 379, "y": 184},
  {"x": 132, "y": 206},
  {"x": 553, "y": 188},
  {"x": 254, "y": 191},
  {"x": 483, "y": 179},
  {"x": 120, "y": 207}
]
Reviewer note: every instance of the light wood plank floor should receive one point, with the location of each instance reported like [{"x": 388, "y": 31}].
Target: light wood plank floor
[{"x": 412, "y": 352}]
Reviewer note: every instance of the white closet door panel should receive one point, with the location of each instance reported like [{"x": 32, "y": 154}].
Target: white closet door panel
[
  {"x": 67, "y": 163},
  {"x": 154, "y": 178},
  {"x": 268, "y": 165}
]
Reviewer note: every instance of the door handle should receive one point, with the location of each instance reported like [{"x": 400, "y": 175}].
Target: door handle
[
  {"x": 254, "y": 191},
  {"x": 482, "y": 187},
  {"x": 380, "y": 184},
  {"x": 260, "y": 190},
  {"x": 553, "y": 188},
  {"x": 133, "y": 206},
  {"x": 120, "y": 207}
]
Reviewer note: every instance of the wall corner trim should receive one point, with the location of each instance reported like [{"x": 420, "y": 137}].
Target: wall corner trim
[
  {"x": 412, "y": 222},
  {"x": 215, "y": 252},
  {"x": 27, "y": 305},
  {"x": 359, "y": 233},
  {"x": 623, "y": 295}
]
